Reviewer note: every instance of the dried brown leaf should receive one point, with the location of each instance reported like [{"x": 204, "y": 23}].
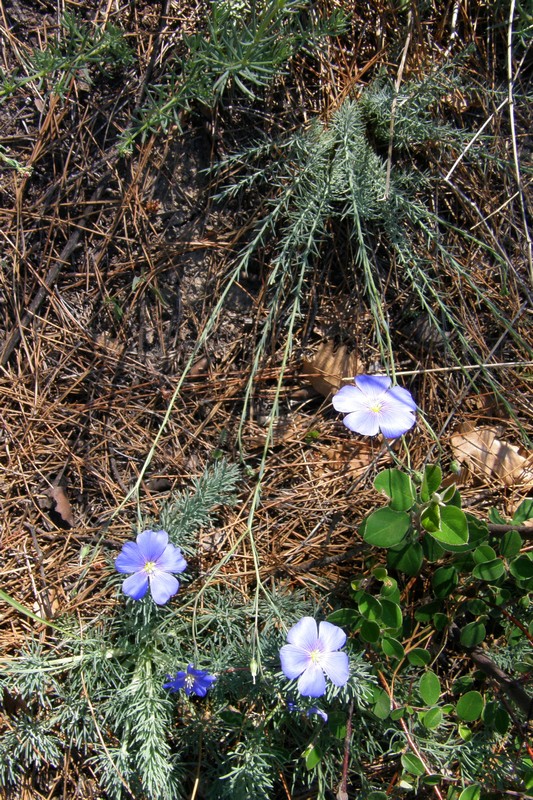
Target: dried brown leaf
[
  {"x": 490, "y": 457},
  {"x": 328, "y": 368},
  {"x": 62, "y": 504}
]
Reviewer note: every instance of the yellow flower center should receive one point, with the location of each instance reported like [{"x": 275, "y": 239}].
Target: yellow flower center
[
  {"x": 149, "y": 567},
  {"x": 376, "y": 408},
  {"x": 315, "y": 655}
]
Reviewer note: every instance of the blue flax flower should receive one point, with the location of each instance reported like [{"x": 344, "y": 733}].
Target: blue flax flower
[
  {"x": 194, "y": 681},
  {"x": 311, "y": 652},
  {"x": 152, "y": 560},
  {"x": 374, "y": 405}
]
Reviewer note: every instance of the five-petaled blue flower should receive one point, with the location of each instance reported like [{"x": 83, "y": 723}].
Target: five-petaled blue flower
[
  {"x": 152, "y": 559},
  {"x": 374, "y": 405},
  {"x": 194, "y": 681},
  {"x": 311, "y": 652}
]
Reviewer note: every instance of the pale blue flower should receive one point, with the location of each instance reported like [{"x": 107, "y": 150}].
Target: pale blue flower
[
  {"x": 311, "y": 652},
  {"x": 374, "y": 405},
  {"x": 194, "y": 681},
  {"x": 152, "y": 560}
]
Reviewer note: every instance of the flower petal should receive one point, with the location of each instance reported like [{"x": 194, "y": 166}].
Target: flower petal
[
  {"x": 373, "y": 386},
  {"x": 363, "y": 421},
  {"x": 395, "y": 419},
  {"x": 331, "y": 636},
  {"x": 171, "y": 560},
  {"x": 152, "y": 543},
  {"x": 294, "y": 660},
  {"x": 136, "y": 585},
  {"x": 163, "y": 586},
  {"x": 203, "y": 683},
  {"x": 177, "y": 683},
  {"x": 312, "y": 682},
  {"x": 347, "y": 398},
  {"x": 336, "y": 666},
  {"x": 130, "y": 558},
  {"x": 403, "y": 396},
  {"x": 318, "y": 711},
  {"x": 304, "y": 634}
]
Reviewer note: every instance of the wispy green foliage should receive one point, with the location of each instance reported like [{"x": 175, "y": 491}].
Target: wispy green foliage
[
  {"x": 190, "y": 511},
  {"x": 335, "y": 181},
  {"x": 76, "y": 49},
  {"x": 244, "y": 47},
  {"x": 97, "y": 693}
]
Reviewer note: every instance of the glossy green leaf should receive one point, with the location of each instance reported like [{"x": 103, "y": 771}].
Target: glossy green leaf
[
  {"x": 496, "y": 517},
  {"x": 484, "y": 553},
  {"x": 337, "y": 724},
  {"x": 391, "y": 614},
  {"x": 425, "y": 613},
  {"x": 444, "y": 581},
  {"x": 430, "y": 482},
  {"x": 523, "y": 512},
  {"x": 418, "y": 657},
  {"x": 432, "y": 550},
  {"x": 392, "y": 648},
  {"x": 472, "y": 792},
  {"x": 398, "y": 486},
  {"x": 453, "y": 527},
  {"x": 440, "y": 621},
  {"x": 510, "y": 544},
  {"x": 406, "y": 558},
  {"x": 412, "y": 764},
  {"x": 345, "y": 618},
  {"x": 390, "y": 590},
  {"x": 430, "y": 518},
  {"x": 369, "y": 606},
  {"x": 490, "y": 570},
  {"x": 464, "y": 732},
  {"x": 380, "y": 573},
  {"x": 429, "y": 688},
  {"x": 472, "y": 634},
  {"x": 432, "y": 718},
  {"x": 312, "y": 756},
  {"x": 369, "y": 631},
  {"x": 469, "y": 706},
  {"x": 382, "y": 704},
  {"x": 386, "y": 527},
  {"x": 495, "y": 716},
  {"x": 522, "y": 567}
]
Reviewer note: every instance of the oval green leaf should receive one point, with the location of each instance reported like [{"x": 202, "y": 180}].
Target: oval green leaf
[
  {"x": 522, "y": 568},
  {"x": 472, "y": 792},
  {"x": 418, "y": 657},
  {"x": 490, "y": 570},
  {"x": 391, "y": 615},
  {"x": 432, "y": 718},
  {"x": 469, "y": 706},
  {"x": 406, "y": 558},
  {"x": 472, "y": 634},
  {"x": 392, "y": 648},
  {"x": 444, "y": 581},
  {"x": 369, "y": 631},
  {"x": 312, "y": 756},
  {"x": 429, "y": 688},
  {"x": 484, "y": 553},
  {"x": 398, "y": 486},
  {"x": 510, "y": 544},
  {"x": 386, "y": 527},
  {"x": 453, "y": 527},
  {"x": 412, "y": 764},
  {"x": 430, "y": 482}
]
